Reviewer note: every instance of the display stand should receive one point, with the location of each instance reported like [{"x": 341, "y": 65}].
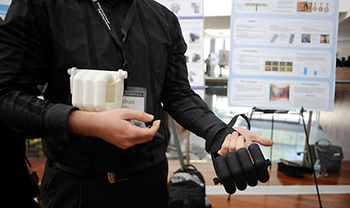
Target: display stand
[
  {"x": 177, "y": 142},
  {"x": 177, "y": 147},
  {"x": 307, "y": 130}
]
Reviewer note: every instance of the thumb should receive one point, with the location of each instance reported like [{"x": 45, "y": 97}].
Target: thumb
[
  {"x": 129, "y": 114},
  {"x": 264, "y": 141},
  {"x": 261, "y": 140}
]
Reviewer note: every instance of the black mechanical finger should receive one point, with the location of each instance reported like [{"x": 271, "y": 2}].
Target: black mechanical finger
[
  {"x": 236, "y": 170},
  {"x": 224, "y": 174},
  {"x": 259, "y": 162},
  {"x": 248, "y": 167}
]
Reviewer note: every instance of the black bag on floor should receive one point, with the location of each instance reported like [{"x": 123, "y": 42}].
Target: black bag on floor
[
  {"x": 329, "y": 155},
  {"x": 187, "y": 188}
]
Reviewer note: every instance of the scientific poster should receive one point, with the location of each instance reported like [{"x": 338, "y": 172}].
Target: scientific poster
[
  {"x": 283, "y": 54},
  {"x": 190, "y": 14}
]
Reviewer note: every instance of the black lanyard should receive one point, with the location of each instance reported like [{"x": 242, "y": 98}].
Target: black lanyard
[{"x": 125, "y": 27}]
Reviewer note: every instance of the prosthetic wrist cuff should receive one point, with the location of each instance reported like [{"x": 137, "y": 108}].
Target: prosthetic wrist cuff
[{"x": 218, "y": 139}]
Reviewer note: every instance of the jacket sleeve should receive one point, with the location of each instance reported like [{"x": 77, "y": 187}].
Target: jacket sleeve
[
  {"x": 179, "y": 100},
  {"x": 25, "y": 61}
]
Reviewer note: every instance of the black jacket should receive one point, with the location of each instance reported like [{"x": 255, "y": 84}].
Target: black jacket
[{"x": 41, "y": 39}]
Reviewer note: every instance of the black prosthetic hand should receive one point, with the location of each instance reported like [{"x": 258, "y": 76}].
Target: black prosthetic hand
[{"x": 237, "y": 169}]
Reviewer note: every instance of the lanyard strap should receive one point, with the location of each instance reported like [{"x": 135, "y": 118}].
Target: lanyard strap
[
  {"x": 234, "y": 119},
  {"x": 128, "y": 20},
  {"x": 125, "y": 27}
]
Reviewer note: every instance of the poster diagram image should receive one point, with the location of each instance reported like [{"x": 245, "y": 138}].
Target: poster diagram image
[
  {"x": 320, "y": 9},
  {"x": 274, "y": 37},
  {"x": 326, "y": 9},
  {"x": 195, "y": 75},
  {"x": 279, "y": 92},
  {"x": 314, "y": 9},
  {"x": 256, "y": 5},
  {"x": 306, "y": 38},
  {"x": 291, "y": 38},
  {"x": 196, "y": 58},
  {"x": 191, "y": 75},
  {"x": 184, "y": 8},
  {"x": 195, "y": 37},
  {"x": 195, "y": 8},
  {"x": 281, "y": 66},
  {"x": 325, "y": 38},
  {"x": 303, "y": 6},
  {"x": 175, "y": 8}
]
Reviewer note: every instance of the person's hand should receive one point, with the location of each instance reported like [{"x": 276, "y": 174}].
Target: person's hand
[
  {"x": 234, "y": 142},
  {"x": 114, "y": 126}
]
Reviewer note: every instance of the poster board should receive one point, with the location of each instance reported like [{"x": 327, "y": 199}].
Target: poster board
[
  {"x": 283, "y": 54},
  {"x": 190, "y": 15}
]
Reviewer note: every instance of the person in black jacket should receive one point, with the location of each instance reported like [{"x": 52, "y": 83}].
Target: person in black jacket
[
  {"x": 17, "y": 184},
  {"x": 347, "y": 62},
  {"x": 102, "y": 158}
]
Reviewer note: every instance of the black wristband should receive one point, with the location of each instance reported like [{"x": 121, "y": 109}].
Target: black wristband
[{"x": 218, "y": 139}]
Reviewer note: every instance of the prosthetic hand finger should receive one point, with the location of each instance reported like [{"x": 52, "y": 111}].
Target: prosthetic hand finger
[
  {"x": 223, "y": 172},
  {"x": 259, "y": 162},
  {"x": 236, "y": 171},
  {"x": 248, "y": 167}
]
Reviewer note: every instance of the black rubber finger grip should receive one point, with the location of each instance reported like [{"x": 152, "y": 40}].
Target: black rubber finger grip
[
  {"x": 248, "y": 167},
  {"x": 236, "y": 171},
  {"x": 260, "y": 163},
  {"x": 223, "y": 172}
]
